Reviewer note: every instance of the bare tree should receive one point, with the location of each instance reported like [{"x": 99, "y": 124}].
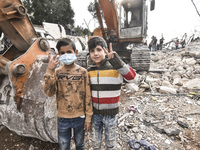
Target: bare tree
[{"x": 195, "y": 7}]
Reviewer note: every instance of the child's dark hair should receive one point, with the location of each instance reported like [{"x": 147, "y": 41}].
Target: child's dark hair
[
  {"x": 65, "y": 42},
  {"x": 96, "y": 40}
]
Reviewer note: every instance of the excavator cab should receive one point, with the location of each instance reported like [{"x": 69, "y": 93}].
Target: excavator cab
[{"x": 133, "y": 19}]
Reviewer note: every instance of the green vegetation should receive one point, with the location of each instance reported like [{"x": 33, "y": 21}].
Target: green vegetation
[{"x": 53, "y": 11}]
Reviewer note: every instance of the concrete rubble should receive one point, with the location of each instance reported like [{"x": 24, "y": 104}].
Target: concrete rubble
[
  {"x": 177, "y": 71},
  {"x": 158, "y": 110}
]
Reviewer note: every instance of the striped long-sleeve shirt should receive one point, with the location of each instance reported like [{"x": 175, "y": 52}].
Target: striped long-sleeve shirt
[{"x": 106, "y": 83}]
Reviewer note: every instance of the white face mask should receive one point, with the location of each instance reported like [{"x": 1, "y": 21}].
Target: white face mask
[{"x": 68, "y": 59}]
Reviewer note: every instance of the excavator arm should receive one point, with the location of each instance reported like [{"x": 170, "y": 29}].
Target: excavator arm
[
  {"x": 111, "y": 19},
  {"x": 12, "y": 15}
]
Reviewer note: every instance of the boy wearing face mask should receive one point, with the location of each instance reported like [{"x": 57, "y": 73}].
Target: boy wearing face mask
[{"x": 70, "y": 83}]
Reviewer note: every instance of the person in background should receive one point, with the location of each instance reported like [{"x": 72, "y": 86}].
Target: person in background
[
  {"x": 177, "y": 43},
  {"x": 183, "y": 43},
  {"x": 154, "y": 46},
  {"x": 151, "y": 43},
  {"x": 70, "y": 83},
  {"x": 68, "y": 29},
  {"x": 106, "y": 78},
  {"x": 161, "y": 43}
]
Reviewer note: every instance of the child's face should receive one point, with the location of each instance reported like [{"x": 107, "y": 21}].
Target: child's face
[
  {"x": 66, "y": 49},
  {"x": 97, "y": 55}
]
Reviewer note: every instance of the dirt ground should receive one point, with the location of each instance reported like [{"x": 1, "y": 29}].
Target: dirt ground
[
  {"x": 188, "y": 141},
  {"x": 11, "y": 141}
]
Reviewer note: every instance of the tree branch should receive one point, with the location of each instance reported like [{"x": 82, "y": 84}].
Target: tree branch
[{"x": 195, "y": 8}]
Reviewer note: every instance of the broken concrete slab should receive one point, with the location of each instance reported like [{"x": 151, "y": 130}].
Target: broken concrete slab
[
  {"x": 132, "y": 86},
  {"x": 166, "y": 90},
  {"x": 192, "y": 84}
]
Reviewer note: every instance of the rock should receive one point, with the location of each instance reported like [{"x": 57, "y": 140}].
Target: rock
[
  {"x": 195, "y": 54},
  {"x": 177, "y": 81},
  {"x": 135, "y": 129},
  {"x": 196, "y": 69},
  {"x": 138, "y": 136},
  {"x": 167, "y": 141},
  {"x": 150, "y": 79},
  {"x": 172, "y": 131},
  {"x": 31, "y": 147},
  {"x": 190, "y": 61},
  {"x": 132, "y": 86},
  {"x": 167, "y": 84},
  {"x": 142, "y": 72},
  {"x": 155, "y": 58},
  {"x": 154, "y": 75},
  {"x": 144, "y": 85},
  {"x": 166, "y": 90},
  {"x": 1, "y": 128},
  {"x": 192, "y": 84},
  {"x": 179, "y": 68},
  {"x": 198, "y": 61},
  {"x": 183, "y": 124},
  {"x": 123, "y": 117}
]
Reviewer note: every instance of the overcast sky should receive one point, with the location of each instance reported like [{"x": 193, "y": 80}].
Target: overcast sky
[{"x": 172, "y": 18}]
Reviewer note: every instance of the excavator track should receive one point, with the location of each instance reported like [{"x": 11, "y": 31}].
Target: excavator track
[{"x": 140, "y": 59}]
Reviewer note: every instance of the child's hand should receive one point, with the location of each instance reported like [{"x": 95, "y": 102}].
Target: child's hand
[
  {"x": 53, "y": 62},
  {"x": 111, "y": 53},
  {"x": 87, "y": 126}
]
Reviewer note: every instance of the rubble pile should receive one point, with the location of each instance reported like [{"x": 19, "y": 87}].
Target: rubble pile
[
  {"x": 159, "y": 109},
  {"x": 166, "y": 122},
  {"x": 162, "y": 107},
  {"x": 163, "y": 122},
  {"x": 172, "y": 71}
]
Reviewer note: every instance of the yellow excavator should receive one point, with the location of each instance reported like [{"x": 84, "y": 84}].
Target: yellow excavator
[{"x": 124, "y": 23}]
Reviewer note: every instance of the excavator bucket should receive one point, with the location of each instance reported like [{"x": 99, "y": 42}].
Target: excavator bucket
[{"x": 24, "y": 108}]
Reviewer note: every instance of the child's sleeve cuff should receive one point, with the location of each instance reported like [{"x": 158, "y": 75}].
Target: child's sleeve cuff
[{"x": 116, "y": 62}]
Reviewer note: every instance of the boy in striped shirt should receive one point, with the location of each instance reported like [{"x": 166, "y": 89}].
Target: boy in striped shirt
[{"x": 106, "y": 77}]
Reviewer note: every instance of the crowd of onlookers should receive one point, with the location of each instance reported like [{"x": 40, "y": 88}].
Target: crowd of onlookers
[{"x": 155, "y": 45}]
